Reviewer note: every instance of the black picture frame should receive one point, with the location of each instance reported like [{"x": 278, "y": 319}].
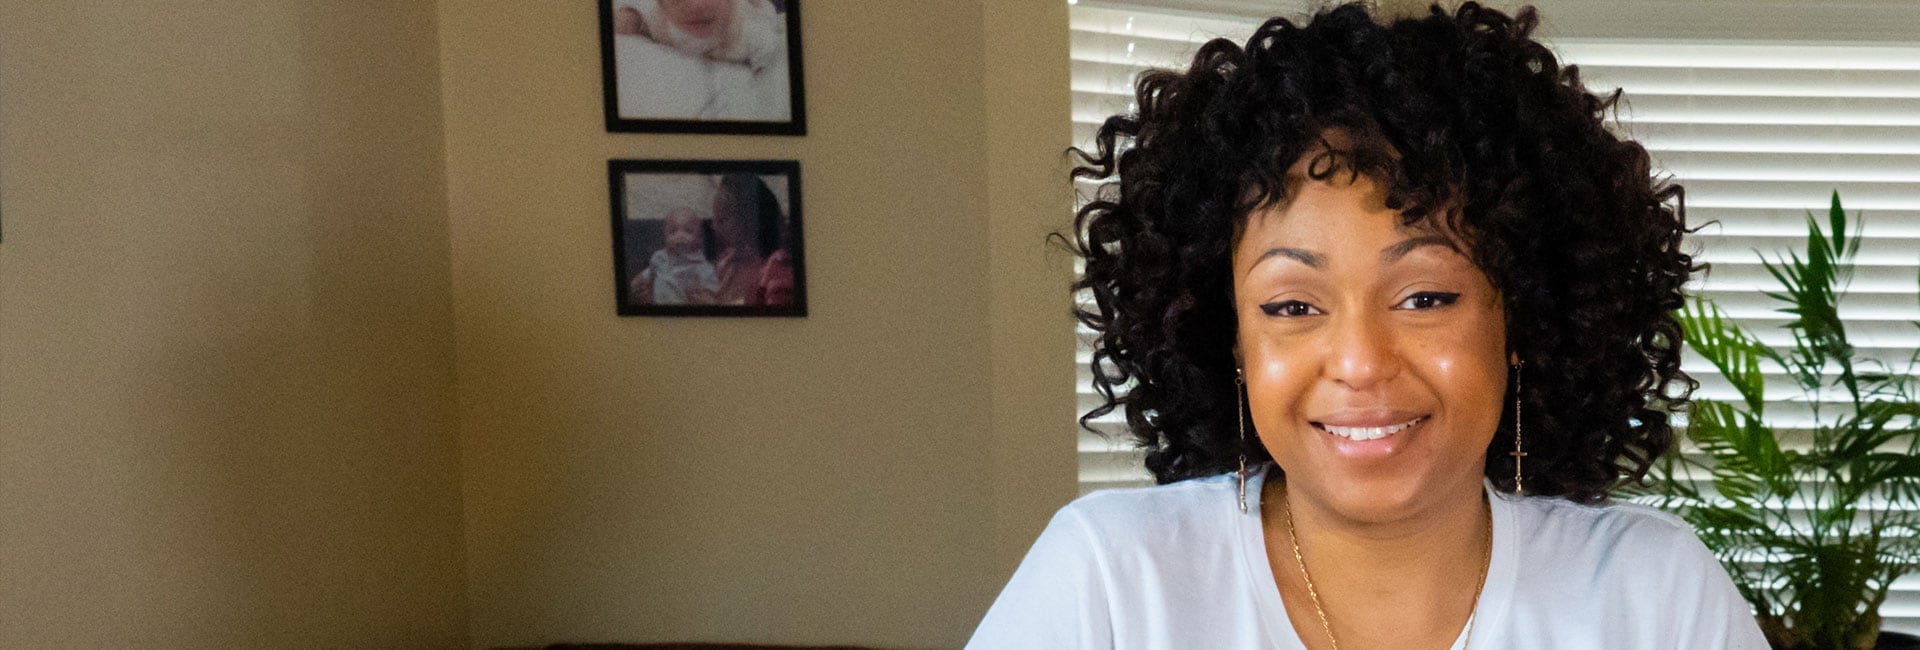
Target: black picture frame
[
  {"x": 637, "y": 122},
  {"x": 635, "y": 241}
]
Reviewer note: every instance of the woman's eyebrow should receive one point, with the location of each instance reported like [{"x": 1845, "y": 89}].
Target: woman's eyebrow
[
  {"x": 1388, "y": 255},
  {"x": 1393, "y": 253}
]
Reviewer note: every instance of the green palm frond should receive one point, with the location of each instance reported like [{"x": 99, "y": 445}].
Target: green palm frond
[
  {"x": 1731, "y": 350},
  {"x": 1811, "y": 287},
  {"x": 1748, "y": 461},
  {"x": 1813, "y": 535}
]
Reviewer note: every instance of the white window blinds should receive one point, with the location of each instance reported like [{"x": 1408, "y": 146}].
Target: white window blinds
[{"x": 1759, "y": 133}]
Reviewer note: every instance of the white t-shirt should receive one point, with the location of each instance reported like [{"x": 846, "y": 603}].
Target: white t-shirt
[{"x": 1178, "y": 566}]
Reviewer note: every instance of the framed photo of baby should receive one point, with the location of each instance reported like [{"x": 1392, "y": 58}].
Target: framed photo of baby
[
  {"x": 702, "y": 66},
  {"x": 707, "y": 238}
]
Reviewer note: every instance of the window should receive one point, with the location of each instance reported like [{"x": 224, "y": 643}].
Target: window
[{"x": 1758, "y": 132}]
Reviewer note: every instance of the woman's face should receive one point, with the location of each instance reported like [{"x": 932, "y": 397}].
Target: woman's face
[{"x": 1374, "y": 354}]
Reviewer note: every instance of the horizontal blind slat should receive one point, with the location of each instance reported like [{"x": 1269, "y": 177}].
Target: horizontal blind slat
[
  {"x": 1743, "y": 83},
  {"x": 1814, "y": 58}
]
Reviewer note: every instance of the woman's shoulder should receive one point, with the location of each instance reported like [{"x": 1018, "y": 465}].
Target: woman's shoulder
[
  {"x": 1607, "y": 523},
  {"x": 1159, "y": 513},
  {"x": 1610, "y": 540},
  {"x": 1113, "y": 560},
  {"x": 1174, "y": 536},
  {"x": 1187, "y": 497},
  {"x": 1591, "y": 568},
  {"x": 1611, "y": 514}
]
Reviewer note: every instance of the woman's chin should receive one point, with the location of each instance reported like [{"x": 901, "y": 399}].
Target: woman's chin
[
  {"x": 1370, "y": 498},
  {"x": 1374, "y": 501},
  {"x": 1383, "y": 478}
]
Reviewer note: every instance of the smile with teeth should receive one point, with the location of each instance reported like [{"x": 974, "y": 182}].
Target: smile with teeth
[{"x": 1368, "y": 433}]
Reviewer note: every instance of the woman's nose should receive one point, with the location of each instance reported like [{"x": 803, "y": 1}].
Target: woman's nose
[{"x": 1361, "y": 351}]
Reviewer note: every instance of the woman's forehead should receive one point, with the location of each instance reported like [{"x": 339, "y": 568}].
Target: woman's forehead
[{"x": 1330, "y": 228}]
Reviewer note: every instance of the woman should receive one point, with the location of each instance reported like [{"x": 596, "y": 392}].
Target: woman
[
  {"x": 753, "y": 265},
  {"x": 1396, "y": 315}
]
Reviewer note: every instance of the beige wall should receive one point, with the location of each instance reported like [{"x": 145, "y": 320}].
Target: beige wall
[
  {"x": 225, "y": 393},
  {"x": 1035, "y": 461},
  {"x": 868, "y": 474},
  {"x": 262, "y": 331}
]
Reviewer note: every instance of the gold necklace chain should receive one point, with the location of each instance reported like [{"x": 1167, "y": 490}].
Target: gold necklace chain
[{"x": 1315, "y": 595}]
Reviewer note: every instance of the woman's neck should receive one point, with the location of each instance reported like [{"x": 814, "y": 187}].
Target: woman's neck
[{"x": 1414, "y": 577}]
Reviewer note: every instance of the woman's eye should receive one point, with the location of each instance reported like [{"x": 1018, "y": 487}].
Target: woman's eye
[
  {"x": 1429, "y": 300},
  {"x": 1288, "y": 308}
]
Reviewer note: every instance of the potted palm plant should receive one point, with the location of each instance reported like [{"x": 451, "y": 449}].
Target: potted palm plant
[{"x": 1814, "y": 517}]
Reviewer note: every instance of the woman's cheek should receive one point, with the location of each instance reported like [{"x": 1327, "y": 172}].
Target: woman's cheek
[{"x": 1280, "y": 377}]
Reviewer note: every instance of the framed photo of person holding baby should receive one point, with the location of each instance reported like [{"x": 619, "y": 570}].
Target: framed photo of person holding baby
[
  {"x": 702, "y": 66},
  {"x": 707, "y": 238}
]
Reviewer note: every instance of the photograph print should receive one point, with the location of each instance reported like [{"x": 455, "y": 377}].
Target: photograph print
[
  {"x": 702, "y": 66},
  {"x": 707, "y": 238}
]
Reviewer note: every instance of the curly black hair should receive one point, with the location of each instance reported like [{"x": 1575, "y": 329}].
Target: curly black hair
[
  {"x": 751, "y": 197},
  {"x": 1474, "y": 128}
]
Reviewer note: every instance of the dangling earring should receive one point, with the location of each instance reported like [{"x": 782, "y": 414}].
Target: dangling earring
[
  {"x": 1240, "y": 412},
  {"x": 1519, "y": 452}
]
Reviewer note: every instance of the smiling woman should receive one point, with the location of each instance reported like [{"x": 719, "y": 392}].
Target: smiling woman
[
  {"x": 1373, "y": 352},
  {"x": 1390, "y": 312}
]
